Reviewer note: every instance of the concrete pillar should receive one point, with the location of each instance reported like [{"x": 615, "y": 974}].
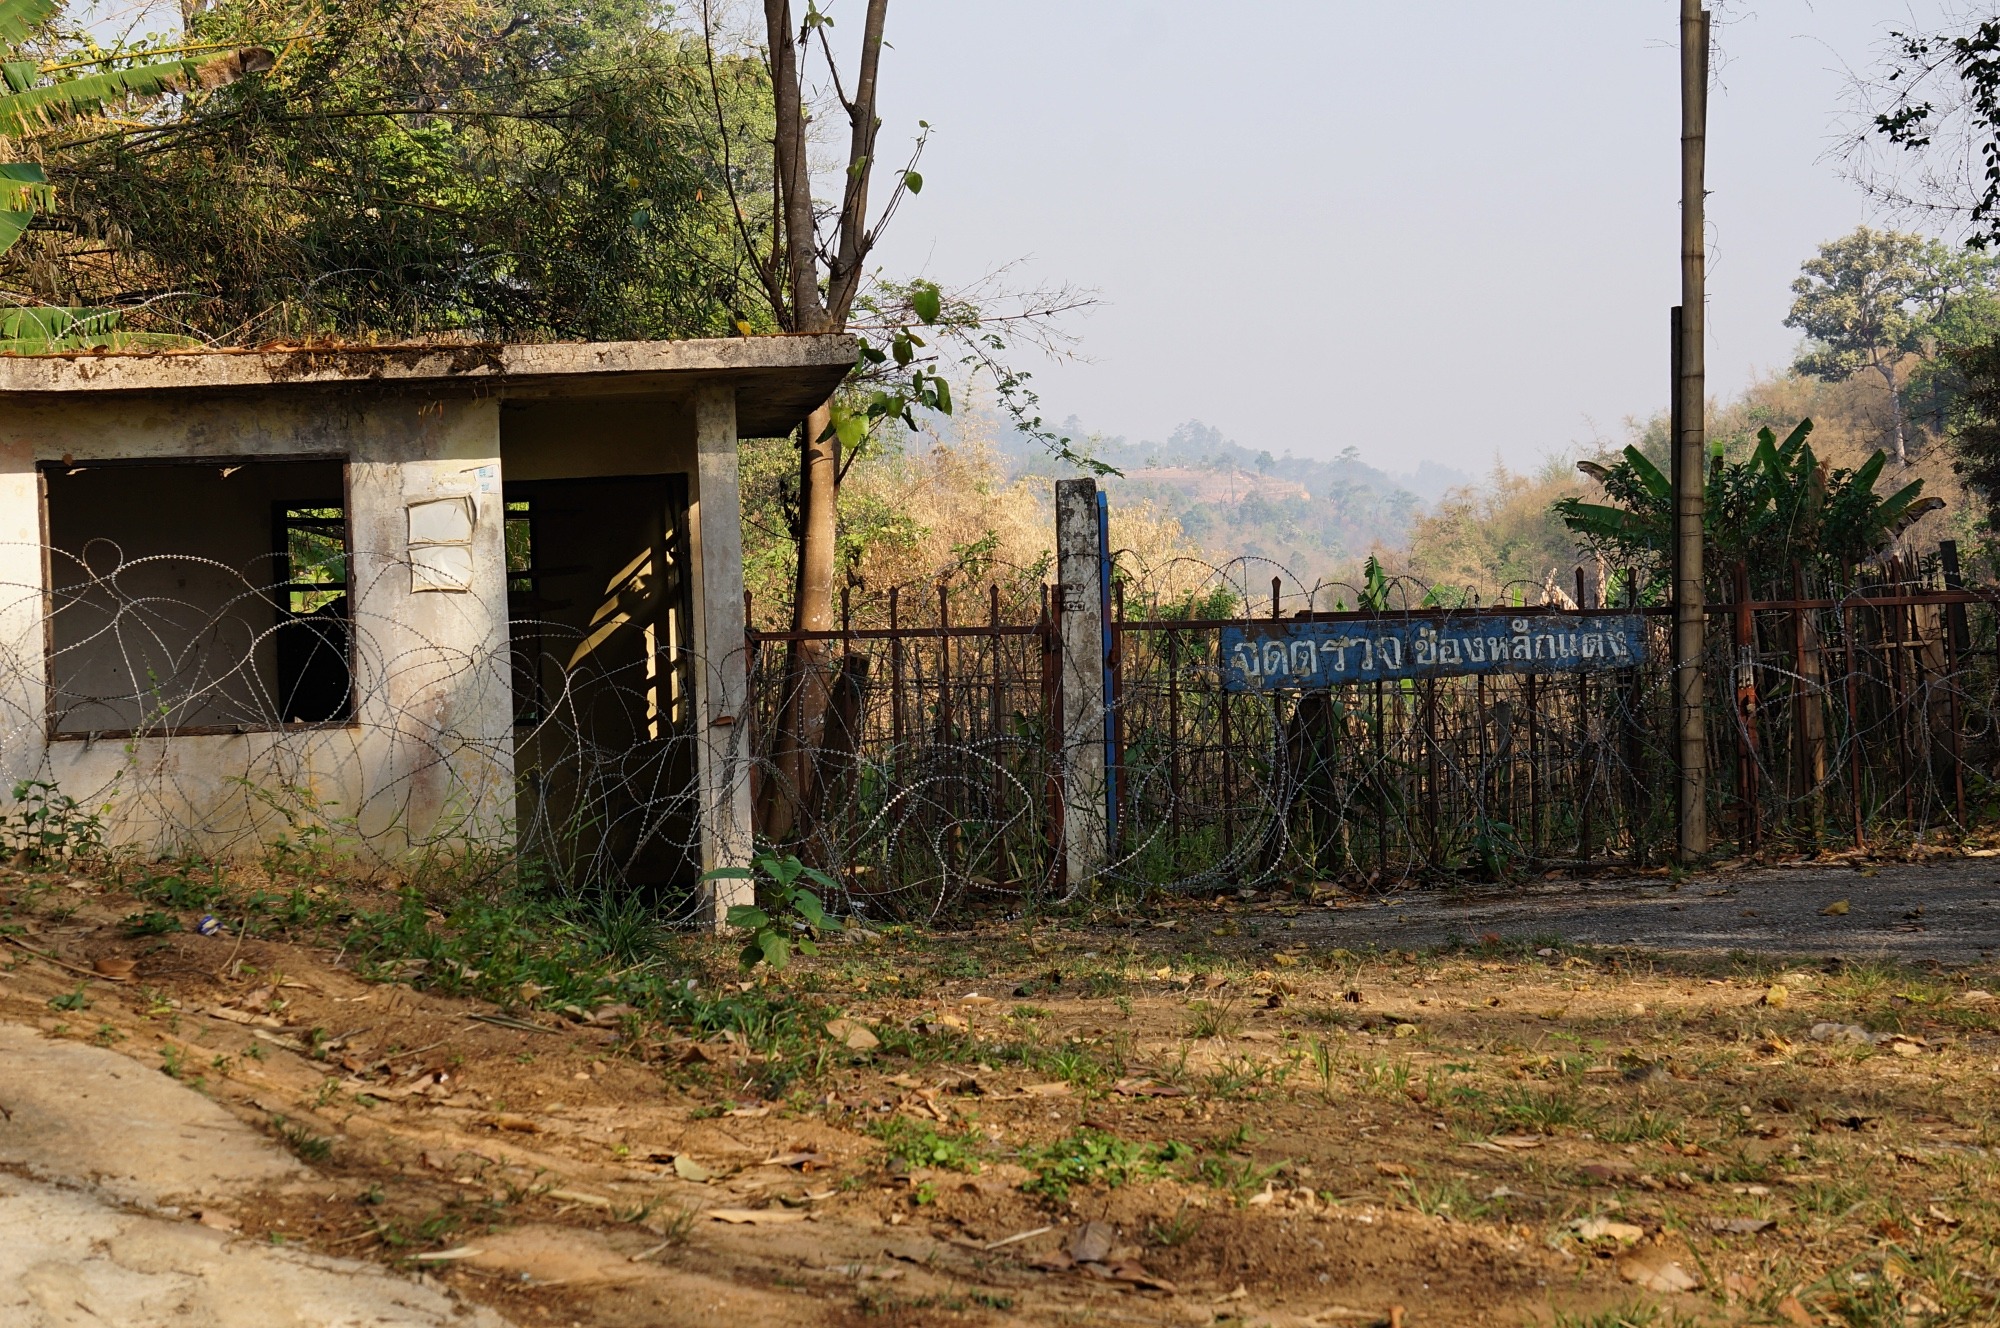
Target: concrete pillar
[
  {"x": 722, "y": 682},
  {"x": 1080, "y": 567}
]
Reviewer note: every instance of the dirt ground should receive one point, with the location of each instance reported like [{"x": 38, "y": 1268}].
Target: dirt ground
[
  {"x": 1246, "y": 1111},
  {"x": 1944, "y": 910}
]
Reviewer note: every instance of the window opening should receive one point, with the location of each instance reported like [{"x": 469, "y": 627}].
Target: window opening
[
  {"x": 524, "y": 611},
  {"x": 314, "y": 682},
  {"x": 196, "y": 596}
]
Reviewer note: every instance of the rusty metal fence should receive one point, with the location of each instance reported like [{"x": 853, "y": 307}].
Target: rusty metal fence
[{"x": 1864, "y": 717}]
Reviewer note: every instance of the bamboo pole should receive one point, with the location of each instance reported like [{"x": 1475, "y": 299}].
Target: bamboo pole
[{"x": 1689, "y": 441}]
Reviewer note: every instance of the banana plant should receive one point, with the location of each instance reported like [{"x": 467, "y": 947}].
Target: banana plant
[
  {"x": 35, "y": 100},
  {"x": 1782, "y": 506}
]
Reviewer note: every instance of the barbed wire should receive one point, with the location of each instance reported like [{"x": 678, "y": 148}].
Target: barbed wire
[{"x": 463, "y": 747}]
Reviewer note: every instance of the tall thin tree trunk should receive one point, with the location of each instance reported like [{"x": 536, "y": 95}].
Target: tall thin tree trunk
[
  {"x": 1901, "y": 446},
  {"x": 808, "y": 675}
]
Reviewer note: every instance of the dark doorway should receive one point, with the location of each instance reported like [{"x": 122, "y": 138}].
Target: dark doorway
[{"x": 599, "y": 602}]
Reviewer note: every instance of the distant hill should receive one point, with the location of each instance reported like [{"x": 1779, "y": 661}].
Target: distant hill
[{"x": 1315, "y": 517}]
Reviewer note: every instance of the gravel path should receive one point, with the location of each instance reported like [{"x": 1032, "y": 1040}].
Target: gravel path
[{"x": 1948, "y": 912}]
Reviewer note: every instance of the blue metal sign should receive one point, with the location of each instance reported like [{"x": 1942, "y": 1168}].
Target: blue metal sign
[{"x": 1279, "y": 655}]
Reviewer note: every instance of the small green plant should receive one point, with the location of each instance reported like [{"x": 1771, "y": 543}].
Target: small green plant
[
  {"x": 1635, "y": 1315},
  {"x": 151, "y": 924},
  {"x": 789, "y": 908},
  {"x": 1325, "y": 1064},
  {"x": 1091, "y": 1157},
  {"x": 310, "y": 1147},
  {"x": 1544, "y": 1112},
  {"x": 71, "y": 1000},
  {"x": 1175, "y": 1230},
  {"x": 47, "y": 825},
  {"x": 1238, "y": 1177},
  {"x": 916, "y": 1144},
  {"x": 1214, "y": 1019}
]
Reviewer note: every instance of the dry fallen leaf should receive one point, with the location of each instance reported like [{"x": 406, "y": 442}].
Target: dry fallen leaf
[
  {"x": 755, "y": 1216},
  {"x": 1092, "y": 1242},
  {"x": 852, "y": 1034},
  {"x": 803, "y": 1160},
  {"x": 1835, "y": 909},
  {"x": 1792, "y": 1312},
  {"x": 1656, "y": 1270},
  {"x": 1600, "y": 1228}
]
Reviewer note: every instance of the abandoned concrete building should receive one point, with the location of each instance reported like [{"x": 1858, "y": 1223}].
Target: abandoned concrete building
[{"x": 409, "y": 600}]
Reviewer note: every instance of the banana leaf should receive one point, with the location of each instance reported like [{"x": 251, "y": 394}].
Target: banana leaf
[
  {"x": 1649, "y": 475},
  {"x": 25, "y": 113},
  {"x": 18, "y": 18}
]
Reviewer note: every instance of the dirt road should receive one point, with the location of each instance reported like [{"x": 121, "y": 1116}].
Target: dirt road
[{"x": 1947, "y": 912}]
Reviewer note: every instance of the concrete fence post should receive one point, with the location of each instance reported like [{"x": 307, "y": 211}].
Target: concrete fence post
[{"x": 1080, "y": 567}]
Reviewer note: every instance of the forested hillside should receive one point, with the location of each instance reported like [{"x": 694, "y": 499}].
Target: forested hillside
[{"x": 1317, "y": 517}]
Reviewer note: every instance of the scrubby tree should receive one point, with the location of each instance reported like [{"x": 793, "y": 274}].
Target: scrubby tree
[
  {"x": 522, "y": 170},
  {"x": 1872, "y": 299},
  {"x": 49, "y": 83}
]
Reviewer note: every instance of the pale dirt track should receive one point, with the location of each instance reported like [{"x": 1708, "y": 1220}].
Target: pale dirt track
[{"x": 1772, "y": 911}]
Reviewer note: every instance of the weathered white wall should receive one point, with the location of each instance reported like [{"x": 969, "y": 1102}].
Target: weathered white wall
[{"x": 429, "y": 758}]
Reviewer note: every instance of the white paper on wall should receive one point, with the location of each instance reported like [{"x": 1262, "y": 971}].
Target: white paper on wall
[
  {"x": 441, "y": 567},
  {"x": 441, "y": 544},
  {"x": 441, "y": 521}
]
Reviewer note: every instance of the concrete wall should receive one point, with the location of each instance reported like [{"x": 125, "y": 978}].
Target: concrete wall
[{"x": 429, "y": 758}]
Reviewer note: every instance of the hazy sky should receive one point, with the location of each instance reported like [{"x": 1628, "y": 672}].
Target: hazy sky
[{"x": 1436, "y": 229}]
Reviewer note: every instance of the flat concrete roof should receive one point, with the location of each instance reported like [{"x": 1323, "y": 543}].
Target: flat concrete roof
[{"x": 778, "y": 379}]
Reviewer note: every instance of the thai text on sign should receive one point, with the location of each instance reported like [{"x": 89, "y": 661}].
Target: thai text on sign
[{"x": 1263, "y": 656}]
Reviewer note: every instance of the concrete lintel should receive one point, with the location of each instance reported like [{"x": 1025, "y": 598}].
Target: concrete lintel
[
  {"x": 722, "y": 687},
  {"x": 776, "y": 379}
]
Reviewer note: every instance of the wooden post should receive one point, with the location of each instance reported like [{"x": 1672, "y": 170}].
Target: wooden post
[
  {"x": 1809, "y": 710},
  {"x": 1689, "y": 440}
]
